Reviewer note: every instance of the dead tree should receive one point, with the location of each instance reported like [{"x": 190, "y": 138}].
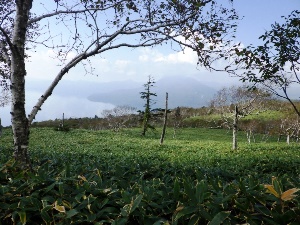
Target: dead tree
[{"x": 165, "y": 121}]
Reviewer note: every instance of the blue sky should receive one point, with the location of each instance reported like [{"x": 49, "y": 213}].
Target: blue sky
[
  {"x": 259, "y": 15},
  {"x": 136, "y": 65}
]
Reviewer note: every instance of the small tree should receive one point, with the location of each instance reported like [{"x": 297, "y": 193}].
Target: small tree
[
  {"x": 276, "y": 63},
  {"x": 177, "y": 121},
  {"x": 289, "y": 127},
  {"x": 119, "y": 116},
  {"x": 147, "y": 95},
  {"x": 234, "y": 103}
]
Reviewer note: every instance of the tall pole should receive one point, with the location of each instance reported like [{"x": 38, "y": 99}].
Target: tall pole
[
  {"x": 234, "y": 129},
  {"x": 165, "y": 121}
]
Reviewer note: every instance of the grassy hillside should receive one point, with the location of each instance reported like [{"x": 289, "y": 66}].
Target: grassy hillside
[
  {"x": 105, "y": 177},
  {"x": 208, "y": 150}
]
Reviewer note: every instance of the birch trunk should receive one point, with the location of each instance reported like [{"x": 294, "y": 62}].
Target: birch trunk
[
  {"x": 20, "y": 125},
  {"x": 249, "y": 136}
]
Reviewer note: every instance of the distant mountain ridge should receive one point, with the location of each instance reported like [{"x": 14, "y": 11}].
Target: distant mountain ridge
[{"x": 182, "y": 91}]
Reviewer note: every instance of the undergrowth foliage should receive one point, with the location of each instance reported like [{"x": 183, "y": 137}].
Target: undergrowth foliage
[
  {"x": 52, "y": 197},
  {"x": 101, "y": 177}
]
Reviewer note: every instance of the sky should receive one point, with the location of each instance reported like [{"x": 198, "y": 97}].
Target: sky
[{"x": 135, "y": 65}]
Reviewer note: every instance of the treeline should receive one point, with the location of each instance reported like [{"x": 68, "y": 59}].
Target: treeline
[{"x": 278, "y": 119}]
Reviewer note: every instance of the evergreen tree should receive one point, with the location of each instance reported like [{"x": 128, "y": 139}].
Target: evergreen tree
[{"x": 147, "y": 95}]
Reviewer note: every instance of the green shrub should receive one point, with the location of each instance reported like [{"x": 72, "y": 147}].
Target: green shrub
[
  {"x": 51, "y": 197},
  {"x": 101, "y": 177},
  {"x": 62, "y": 128}
]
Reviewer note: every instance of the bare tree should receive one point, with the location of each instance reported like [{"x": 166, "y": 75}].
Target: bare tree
[
  {"x": 4, "y": 97},
  {"x": 177, "y": 117},
  {"x": 237, "y": 102},
  {"x": 89, "y": 28},
  {"x": 289, "y": 127},
  {"x": 119, "y": 117}
]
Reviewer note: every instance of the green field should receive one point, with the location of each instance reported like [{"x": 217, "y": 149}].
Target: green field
[
  {"x": 204, "y": 149},
  {"x": 143, "y": 182}
]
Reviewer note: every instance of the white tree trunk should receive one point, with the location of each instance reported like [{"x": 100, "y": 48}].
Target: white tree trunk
[
  {"x": 249, "y": 136},
  {"x": 20, "y": 125},
  {"x": 288, "y": 138}
]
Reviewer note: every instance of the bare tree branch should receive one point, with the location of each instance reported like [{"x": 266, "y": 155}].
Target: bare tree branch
[
  {"x": 6, "y": 16},
  {"x": 7, "y": 38}
]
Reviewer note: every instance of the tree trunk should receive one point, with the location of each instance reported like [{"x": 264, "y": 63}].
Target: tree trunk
[
  {"x": 20, "y": 125},
  {"x": 248, "y": 133},
  {"x": 63, "y": 121},
  {"x": 165, "y": 121},
  {"x": 177, "y": 118},
  {"x": 253, "y": 136},
  {"x": 146, "y": 113},
  {"x": 234, "y": 129},
  {"x": 288, "y": 138},
  {"x": 145, "y": 121},
  {"x": 0, "y": 128}
]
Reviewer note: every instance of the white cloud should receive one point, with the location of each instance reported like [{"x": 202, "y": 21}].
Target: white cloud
[
  {"x": 121, "y": 66},
  {"x": 149, "y": 55},
  {"x": 42, "y": 65},
  {"x": 153, "y": 55},
  {"x": 185, "y": 56},
  {"x": 144, "y": 58}
]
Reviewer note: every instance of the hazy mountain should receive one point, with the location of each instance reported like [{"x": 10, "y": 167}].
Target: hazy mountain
[
  {"x": 82, "y": 88},
  {"x": 183, "y": 91}
]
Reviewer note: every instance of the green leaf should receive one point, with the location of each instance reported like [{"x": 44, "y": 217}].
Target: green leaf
[
  {"x": 129, "y": 208},
  {"x": 136, "y": 203},
  {"x": 161, "y": 222},
  {"x": 182, "y": 211},
  {"x": 176, "y": 189},
  {"x": 262, "y": 209},
  {"x": 71, "y": 213},
  {"x": 121, "y": 221},
  {"x": 201, "y": 190},
  {"x": 194, "y": 220},
  {"x": 189, "y": 188},
  {"x": 50, "y": 187},
  {"x": 91, "y": 217},
  {"x": 46, "y": 217},
  {"x": 219, "y": 218},
  {"x": 22, "y": 216},
  {"x": 60, "y": 188}
]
